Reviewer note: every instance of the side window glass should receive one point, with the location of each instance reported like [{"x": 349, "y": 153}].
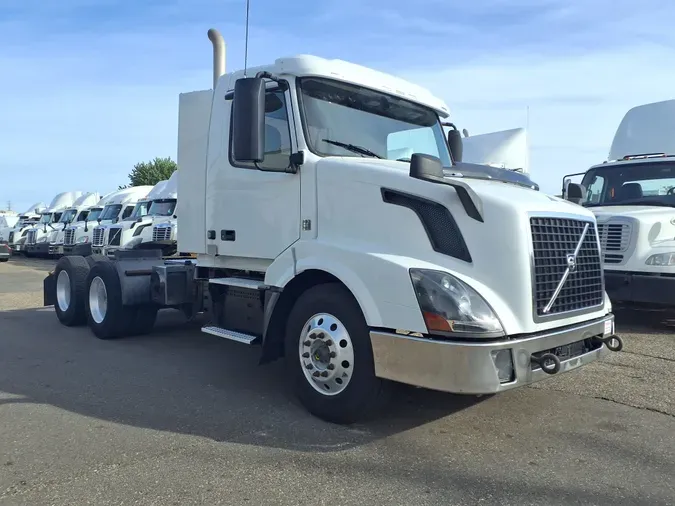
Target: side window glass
[
  {"x": 277, "y": 132},
  {"x": 594, "y": 190},
  {"x": 127, "y": 212}
]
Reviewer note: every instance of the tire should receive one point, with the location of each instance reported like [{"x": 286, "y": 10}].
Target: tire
[
  {"x": 92, "y": 259},
  {"x": 70, "y": 274},
  {"x": 110, "y": 320},
  {"x": 332, "y": 309}
]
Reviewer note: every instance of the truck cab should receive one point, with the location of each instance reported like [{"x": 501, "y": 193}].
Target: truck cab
[
  {"x": 152, "y": 225},
  {"x": 16, "y": 236},
  {"x": 75, "y": 214},
  {"x": 632, "y": 196},
  {"x": 119, "y": 206},
  {"x": 37, "y": 238}
]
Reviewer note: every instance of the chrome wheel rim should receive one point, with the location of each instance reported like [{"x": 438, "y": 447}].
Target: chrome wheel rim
[
  {"x": 326, "y": 354},
  {"x": 98, "y": 300},
  {"x": 63, "y": 291}
]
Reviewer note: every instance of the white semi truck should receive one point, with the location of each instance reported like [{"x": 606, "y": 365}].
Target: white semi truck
[
  {"x": 632, "y": 195},
  {"x": 77, "y": 236},
  {"x": 315, "y": 242},
  {"x": 16, "y": 236},
  {"x": 36, "y": 239},
  {"x": 77, "y": 213},
  {"x": 152, "y": 225},
  {"x": 119, "y": 206}
]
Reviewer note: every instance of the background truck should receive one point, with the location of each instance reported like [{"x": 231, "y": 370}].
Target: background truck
[
  {"x": 119, "y": 206},
  {"x": 77, "y": 213},
  {"x": 77, "y": 236},
  {"x": 314, "y": 241},
  {"x": 156, "y": 229},
  {"x": 632, "y": 195},
  {"x": 36, "y": 238},
  {"x": 16, "y": 236}
]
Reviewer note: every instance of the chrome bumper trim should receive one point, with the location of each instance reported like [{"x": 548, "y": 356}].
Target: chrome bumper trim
[{"x": 467, "y": 367}]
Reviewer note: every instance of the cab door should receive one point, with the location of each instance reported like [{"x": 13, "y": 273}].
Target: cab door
[{"x": 250, "y": 212}]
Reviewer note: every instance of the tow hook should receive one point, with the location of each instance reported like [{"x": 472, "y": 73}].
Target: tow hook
[
  {"x": 613, "y": 343},
  {"x": 548, "y": 362}
]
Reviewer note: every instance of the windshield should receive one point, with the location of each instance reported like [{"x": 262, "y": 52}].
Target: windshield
[
  {"x": 648, "y": 183},
  {"x": 111, "y": 211},
  {"x": 343, "y": 119},
  {"x": 83, "y": 215},
  {"x": 45, "y": 218},
  {"x": 94, "y": 214},
  {"x": 68, "y": 216},
  {"x": 140, "y": 210},
  {"x": 162, "y": 207}
]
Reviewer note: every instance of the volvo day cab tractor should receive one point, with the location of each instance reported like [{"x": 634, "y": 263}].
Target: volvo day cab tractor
[
  {"x": 37, "y": 238},
  {"x": 632, "y": 195},
  {"x": 315, "y": 242},
  {"x": 118, "y": 207},
  {"x": 16, "y": 236},
  {"x": 78, "y": 213},
  {"x": 152, "y": 225}
]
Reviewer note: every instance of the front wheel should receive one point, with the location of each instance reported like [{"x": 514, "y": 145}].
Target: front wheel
[{"x": 330, "y": 358}]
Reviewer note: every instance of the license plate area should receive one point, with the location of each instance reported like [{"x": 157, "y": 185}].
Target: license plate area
[{"x": 568, "y": 351}]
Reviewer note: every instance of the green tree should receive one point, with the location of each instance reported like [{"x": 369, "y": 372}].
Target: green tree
[{"x": 152, "y": 172}]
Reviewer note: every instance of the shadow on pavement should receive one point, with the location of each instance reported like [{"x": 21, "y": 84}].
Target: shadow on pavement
[{"x": 180, "y": 380}]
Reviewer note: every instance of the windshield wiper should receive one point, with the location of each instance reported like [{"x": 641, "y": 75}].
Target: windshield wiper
[
  {"x": 351, "y": 147},
  {"x": 641, "y": 202}
]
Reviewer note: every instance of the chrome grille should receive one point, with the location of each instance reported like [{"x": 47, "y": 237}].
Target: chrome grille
[
  {"x": 11, "y": 238},
  {"x": 114, "y": 236},
  {"x": 614, "y": 240},
  {"x": 31, "y": 237},
  {"x": 69, "y": 237},
  {"x": 553, "y": 241},
  {"x": 97, "y": 236},
  {"x": 161, "y": 233}
]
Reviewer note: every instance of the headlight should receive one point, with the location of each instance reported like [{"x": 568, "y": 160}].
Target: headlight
[
  {"x": 450, "y": 305},
  {"x": 133, "y": 243},
  {"x": 42, "y": 239},
  {"x": 665, "y": 259},
  {"x": 139, "y": 229},
  {"x": 83, "y": 240}
]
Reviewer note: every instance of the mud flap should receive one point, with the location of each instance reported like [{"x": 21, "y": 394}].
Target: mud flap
[{"x": 49, "y": 290}]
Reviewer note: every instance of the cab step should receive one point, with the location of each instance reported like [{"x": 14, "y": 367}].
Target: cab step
[
  {"x": 232, "y": 335},
  {"x": 251, "y": 284}
]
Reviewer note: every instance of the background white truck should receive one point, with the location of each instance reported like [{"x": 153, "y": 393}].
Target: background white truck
[
  {"x": 632, "y": 195},
  {"x": 119, "y": 206},
  {"x": 36, "y": 239},
  {"x": 152, "y": 224},
  {"x": 16, "y": 236},
  {"x": 315, "y": 243},
  {"x": 77, "y": 213}
]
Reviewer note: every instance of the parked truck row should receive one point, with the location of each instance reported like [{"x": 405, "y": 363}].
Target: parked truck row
[{"x": 335, "y": 225}]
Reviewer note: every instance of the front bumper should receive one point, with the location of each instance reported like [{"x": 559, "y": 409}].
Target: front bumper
[
  {"x": 80, "y": 249},
  {"x": 38, "y": 249},
  {"x": 469, "y": 368},
  {"x": 651, "y": 289},
  {"x": 56, "y": 249}
]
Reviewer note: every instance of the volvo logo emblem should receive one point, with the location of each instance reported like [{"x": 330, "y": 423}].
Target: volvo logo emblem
[{"x": 572, "y": 262}]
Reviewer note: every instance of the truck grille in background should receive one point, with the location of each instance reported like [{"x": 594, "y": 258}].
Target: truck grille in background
[
  {"x": 97, "y": 236},
  {"x": 553, "y": 239},
  {"x": 161, "y": 233},
  {"x": 69, "y": 237},
  {"x": 114, "y": 236},
  {"x": 31, "y": 237},
  {"x": 11, "y": 238},
  {"x": 614, "y": 240}
]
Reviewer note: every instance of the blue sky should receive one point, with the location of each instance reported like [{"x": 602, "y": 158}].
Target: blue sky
[{"x": 90, "y": 87}]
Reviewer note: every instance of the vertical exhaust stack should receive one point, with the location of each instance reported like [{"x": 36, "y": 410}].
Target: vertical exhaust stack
[{"x": 218, "y": 54}]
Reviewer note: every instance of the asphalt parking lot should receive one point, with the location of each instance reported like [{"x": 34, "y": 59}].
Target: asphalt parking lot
[{"x": 179, "y": 418}]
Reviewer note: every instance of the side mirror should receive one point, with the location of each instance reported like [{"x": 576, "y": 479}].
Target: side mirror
[
  {"x": 455, "y": 144},
  {"x": 575, "y": 193},
  {"x": 248, "y": 120}
]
